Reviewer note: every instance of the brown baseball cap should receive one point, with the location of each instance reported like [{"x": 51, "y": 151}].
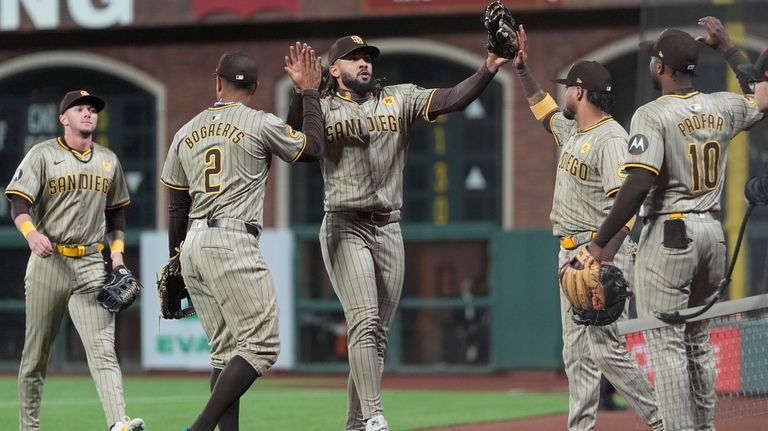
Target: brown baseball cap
[
  {"x": 80, "y": 97},
  {"x": 237, "y": 67},
  {"x": 675, "y": 48},
  {"x": 345, "y": 45},
  {"x": 589, "y": 75}
]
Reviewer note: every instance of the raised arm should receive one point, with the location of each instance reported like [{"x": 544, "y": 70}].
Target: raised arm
[
  {"x": 305, "y": 70},
  {"x": 718, "y": 39},
  {"x": 543, "y": 106}
]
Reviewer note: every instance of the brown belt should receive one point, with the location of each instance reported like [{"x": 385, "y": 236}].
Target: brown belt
[
  {"x": 379, "y": 217},
  {"x": 229, "y": 223}
]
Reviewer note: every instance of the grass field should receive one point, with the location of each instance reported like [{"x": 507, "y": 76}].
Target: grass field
[{"x": 286, "y": 404}]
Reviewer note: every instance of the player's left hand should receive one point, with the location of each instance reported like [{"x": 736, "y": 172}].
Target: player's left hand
[
  {"x": 717, "y": 37},
  {"x": 303, "y": 66},
  {"x": 521, "y": 59}
]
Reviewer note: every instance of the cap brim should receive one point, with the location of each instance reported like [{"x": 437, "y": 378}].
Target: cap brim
[
  {"x": 370, "y": 49},
  {"x": 97, "y": 102},
  {"x": 563, "y": 81},
  {"x": 646, "y": 46}
]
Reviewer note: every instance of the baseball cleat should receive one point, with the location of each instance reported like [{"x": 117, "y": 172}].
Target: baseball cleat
[
  {"x": 376, "y": 423},
  {"x": 128, "y": 424}
]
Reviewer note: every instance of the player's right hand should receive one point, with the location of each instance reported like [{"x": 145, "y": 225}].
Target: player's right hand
[
  {"x": 717, "y": 37},
  {"x": 39, "y": 244},
  {"x": 521, "y": 58}
]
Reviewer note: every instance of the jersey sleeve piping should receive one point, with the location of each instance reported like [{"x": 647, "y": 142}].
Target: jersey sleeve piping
[
  {"x": 642, "y": 166},
  {"x": 426, "y": 108},
  {"x": 120, "y": 205},
  {"x": 173, "y": 186},
  {"x": 301, "y": 151},
  {"x": 551, "y": 129},
  {"x": 8, "y": 194},
  {"x": 612, "y": 192}
]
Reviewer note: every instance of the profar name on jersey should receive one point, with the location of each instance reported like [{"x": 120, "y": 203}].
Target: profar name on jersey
[{"x": 700, "y": 121}]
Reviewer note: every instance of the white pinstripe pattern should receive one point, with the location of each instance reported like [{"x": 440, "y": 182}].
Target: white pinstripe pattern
[
  {"x": 674, "y": 279},
  {"x": 589, "y": 351},
  {"x": 69, "y": 192},
  {"x": 53, "y": 285},
  {"x": 589, "y": 170},
  {"x": 366, "y": 265},
  {"x": 233, "y": 292}
]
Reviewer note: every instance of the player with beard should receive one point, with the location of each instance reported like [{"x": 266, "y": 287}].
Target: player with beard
[
  {"x": 366, "y": 131},
  {"x": 589, "y": 173}
]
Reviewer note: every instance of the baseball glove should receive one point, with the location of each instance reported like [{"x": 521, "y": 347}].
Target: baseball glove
[
  {"x": 580, "y": 281},
  {"x": 616, "y": 291},
  {"x": 502, "y": 30},
  {"x": 759, "y": 70},
  {"x": 120, "y": 291},
  {"x": 173, "y": 291},
  {"x": 756, "y": 190}
]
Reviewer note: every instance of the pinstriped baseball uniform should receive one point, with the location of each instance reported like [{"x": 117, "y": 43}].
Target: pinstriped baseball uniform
[
  {"x": 222, "y": 158},
  {"x": 684, "y": 139},
  {"x": 363, "y": 171},
  {"x": 69, "y": 192},
  {"x": 589, "y": 173}
]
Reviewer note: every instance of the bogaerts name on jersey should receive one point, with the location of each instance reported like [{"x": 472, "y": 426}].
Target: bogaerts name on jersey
[
  {"x": 700, "y": 121},
  {"x": 354, "y": 127},
  {"x": 571, "y": 164},
  {"x": 226, "y": 130},
  {"x": 74, "y": 182}
]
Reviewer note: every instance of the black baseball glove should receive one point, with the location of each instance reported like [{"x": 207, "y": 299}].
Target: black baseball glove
[
  {"x": 502, "y": 30},
  {"x": 616, "y": 291},
  {"x": 120, "y": 291},
  {"x": 173, "y": 291},
  {"x": 756, "y": 190}
]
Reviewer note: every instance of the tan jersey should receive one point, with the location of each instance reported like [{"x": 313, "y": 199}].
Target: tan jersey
[
  {"x": 684, "y": 139},
  {"x": 366, "y": 147},
  {"x": 69, "y": 190},
  {"x": 589, "y": 172},
  {"x": 222, "y": 157}
]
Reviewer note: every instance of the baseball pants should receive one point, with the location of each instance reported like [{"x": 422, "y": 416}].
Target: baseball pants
[
  {"x": 53, "y": 285},
  {"x": 366, "y": 265},
  {"x": 671, "y": 279},
  {"x": 589, "y": 351},
  {"x": 233, "y": 293}
]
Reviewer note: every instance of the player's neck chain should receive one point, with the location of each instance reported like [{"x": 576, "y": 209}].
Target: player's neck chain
[{"x": 225, "y": 103}]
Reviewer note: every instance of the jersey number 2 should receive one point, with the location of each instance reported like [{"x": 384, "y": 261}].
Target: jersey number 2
[
  {"x": 212, "y": 169},
  {"x": 705, "y": 165}
]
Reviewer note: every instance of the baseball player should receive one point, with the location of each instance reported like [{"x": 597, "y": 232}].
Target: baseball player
[
  {"x": 676, "y": 159},
  {"x": 589, "y": 173},
  {"x": 64, "y": 195},
  {"x": 366, "y": 132},
  {"x": 216, "y": 171}
]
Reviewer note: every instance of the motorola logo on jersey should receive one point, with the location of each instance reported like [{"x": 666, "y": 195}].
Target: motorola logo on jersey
[{"x": 638, "y": 144}]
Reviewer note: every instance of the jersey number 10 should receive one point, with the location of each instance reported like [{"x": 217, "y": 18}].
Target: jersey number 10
[{"x": 705, "y": 165}]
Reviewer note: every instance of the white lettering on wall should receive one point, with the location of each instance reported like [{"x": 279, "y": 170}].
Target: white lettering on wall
[{"x": 46, "y": 14}]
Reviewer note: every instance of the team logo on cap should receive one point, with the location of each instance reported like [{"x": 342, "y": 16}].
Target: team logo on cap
[
  {"x": 578, "y": 80},
  {"x": 637, "y": 144},
  {"x": 106, "y": 165},
  {"x": 357, "y": 39},
  {"x": 84, "y": 93}
]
